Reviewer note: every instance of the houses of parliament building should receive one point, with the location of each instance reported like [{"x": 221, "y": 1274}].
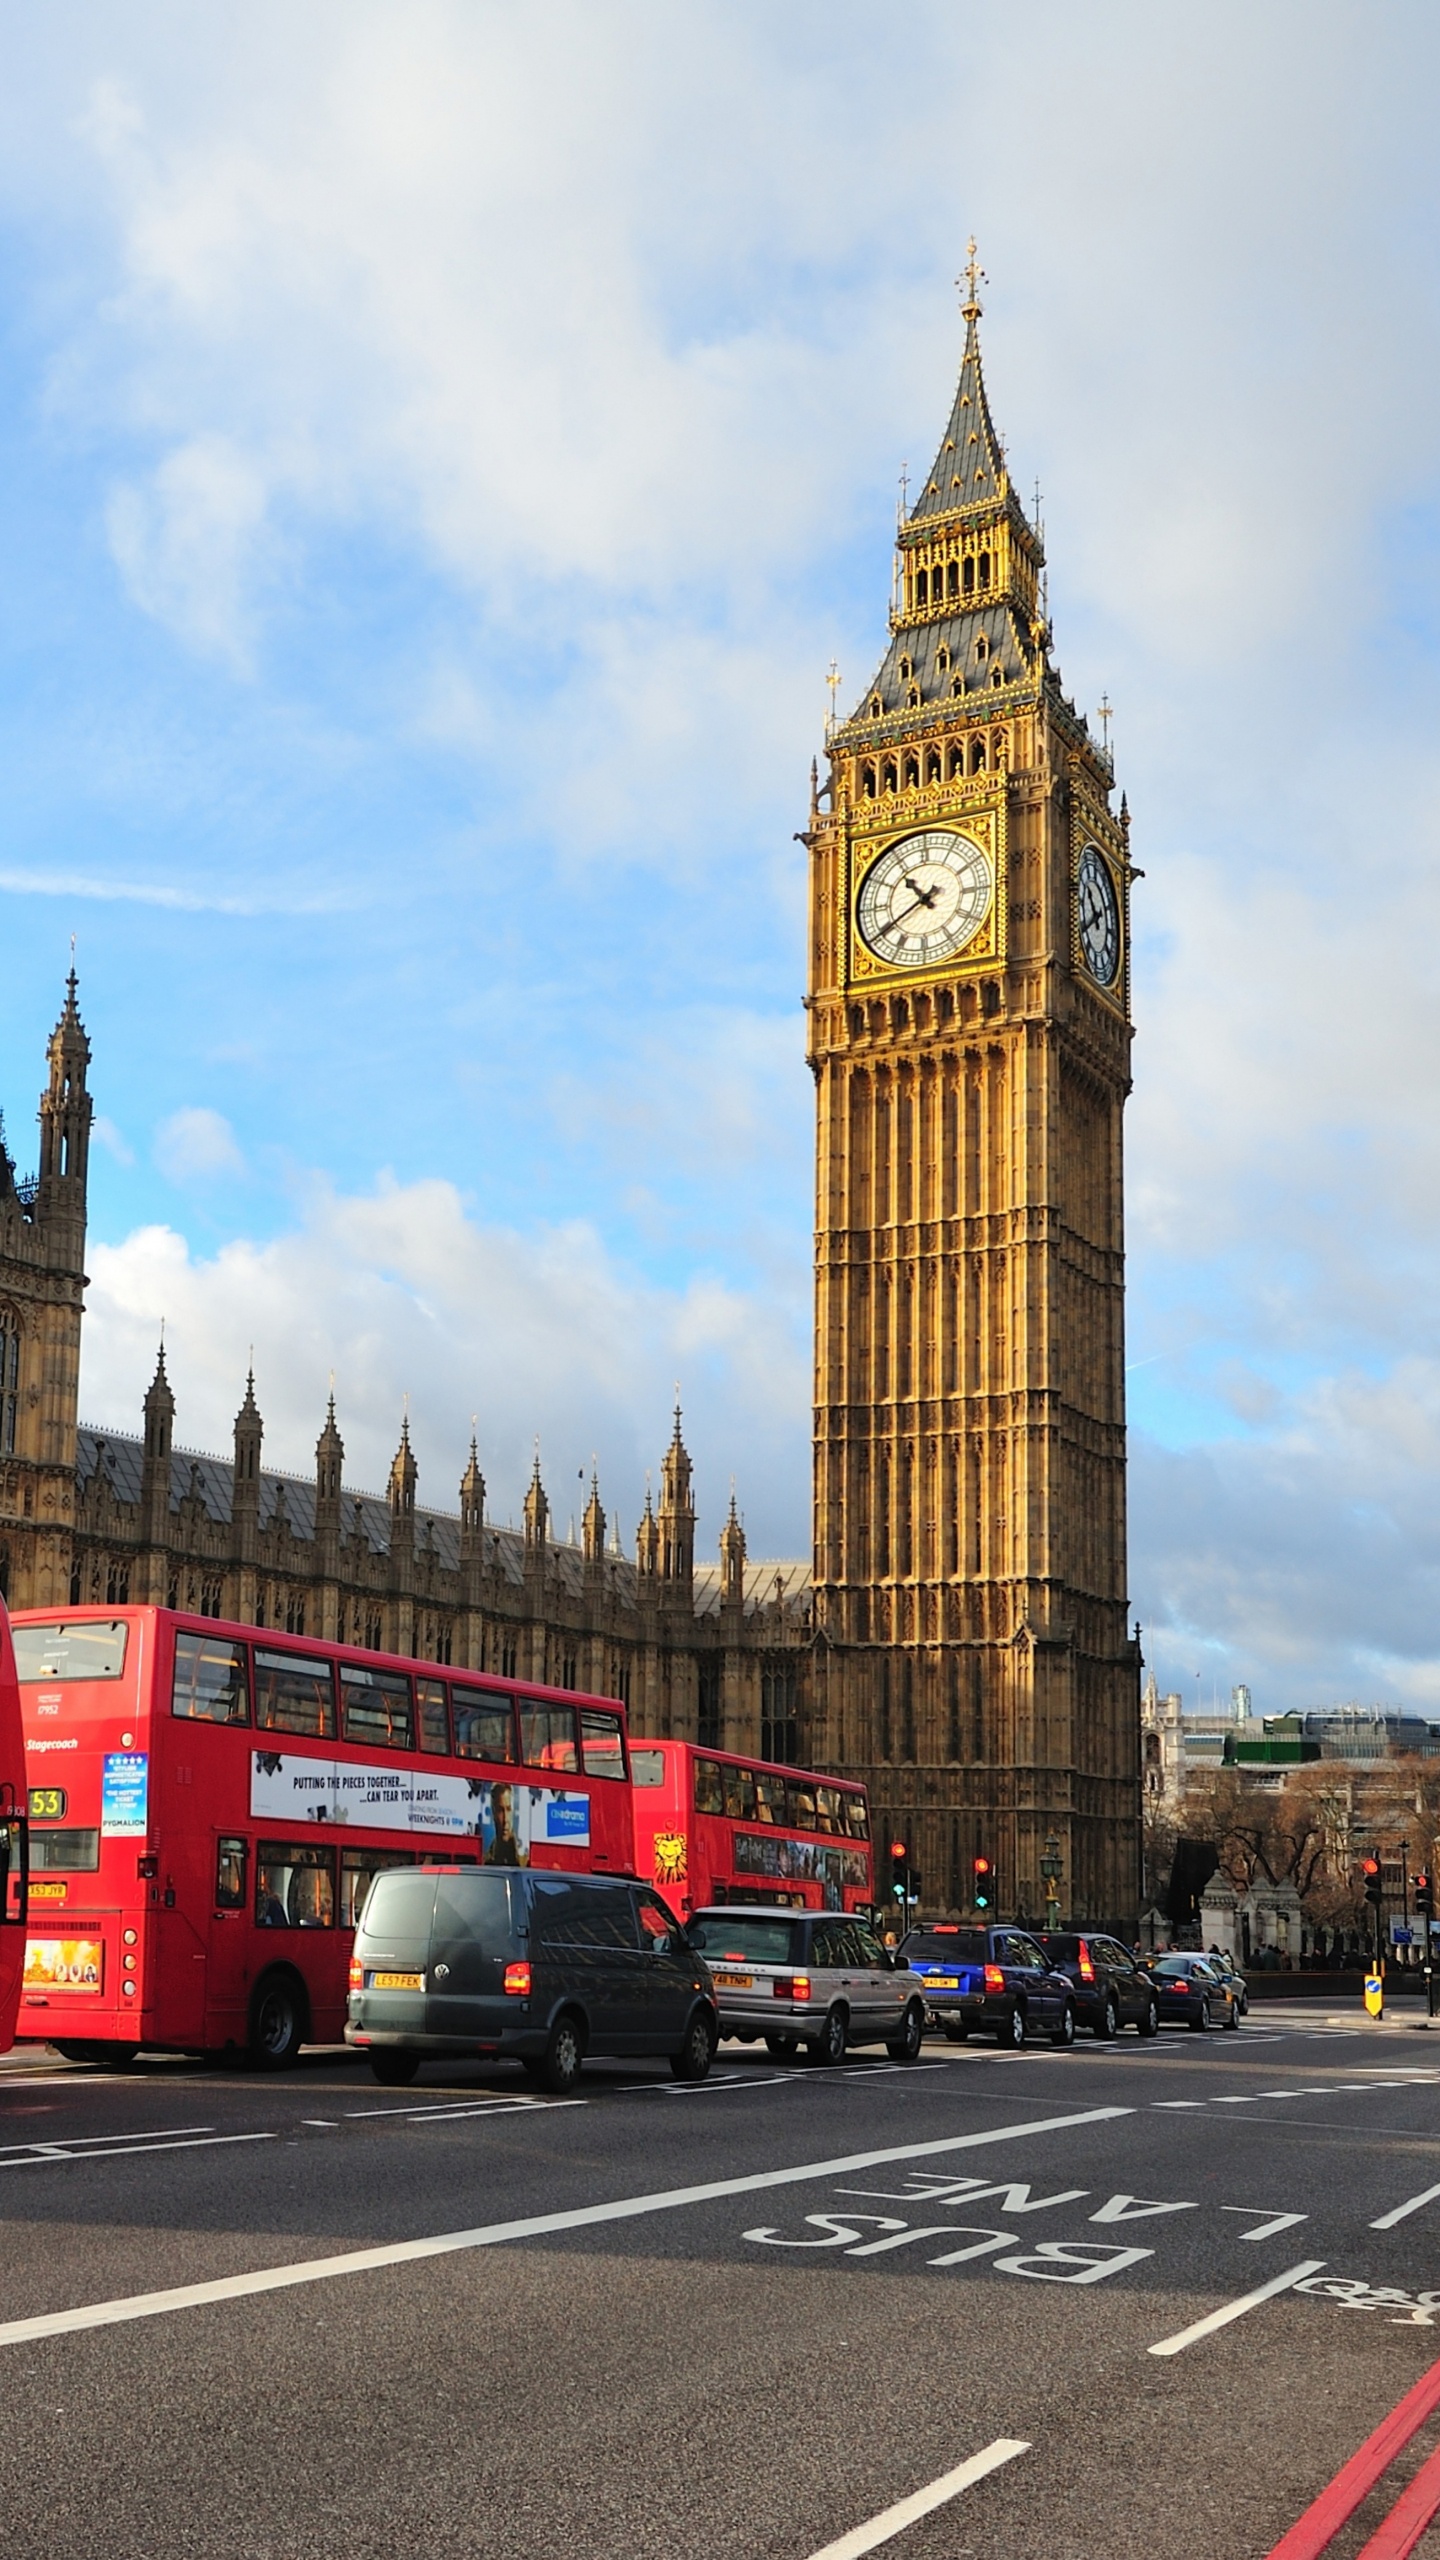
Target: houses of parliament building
[{"x": 960, "y": 1637}]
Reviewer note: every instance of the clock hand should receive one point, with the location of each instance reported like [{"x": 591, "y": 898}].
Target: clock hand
[{"x": 926, "y": 898}]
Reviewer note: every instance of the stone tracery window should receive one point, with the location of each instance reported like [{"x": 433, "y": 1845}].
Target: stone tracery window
[{"x": 9, "y": 1379}]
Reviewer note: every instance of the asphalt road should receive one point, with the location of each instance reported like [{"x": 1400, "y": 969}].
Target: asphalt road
[{"x": 730, "y": 2323}]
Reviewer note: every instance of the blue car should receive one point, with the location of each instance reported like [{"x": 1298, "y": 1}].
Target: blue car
[{"x": 997, "y": 1980}]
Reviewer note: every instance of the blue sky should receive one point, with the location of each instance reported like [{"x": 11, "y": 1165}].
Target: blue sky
[{"x": 440, "y": 454}]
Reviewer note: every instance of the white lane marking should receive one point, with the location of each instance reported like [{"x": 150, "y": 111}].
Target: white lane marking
[
  {"x": 78, "y": 2142},
  {"x": 1388, "y": 2221},
  {"x": 1248, "y": 2100},
  {"x": 1265, "y": 2230},
  {"x": 1169, "y": 2105},
  {"x": 923, "y": 2502},
  {"x": 321, "y": 2124},
  {"x": 1236, "y": 2310},
  {"x": 185, "y": 2297},
  {"x": 500, "y": 2103},
  {"x": 51, "y": 2156}
]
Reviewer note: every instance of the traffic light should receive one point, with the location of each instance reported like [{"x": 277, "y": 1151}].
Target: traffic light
[
  {"x": 1370, "y": 1869},
  {"x": 899, "y": 1863},
  {"x": 982, "y": 1885},
  {"x": 1425, "y": 1894}
]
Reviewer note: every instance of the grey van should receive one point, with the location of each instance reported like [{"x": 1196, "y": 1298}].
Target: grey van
[{"x": 541, "y": 1966}]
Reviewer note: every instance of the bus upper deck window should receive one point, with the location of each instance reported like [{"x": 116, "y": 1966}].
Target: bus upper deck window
[
  {"x": 376, "y": 1707},
  {"x": 740, "y": 1794},
  {"x": 547, "y": 1737},
  {"x": 434, "y": 1734},
  {"x": 769, "y": 1797},
  {"x": 294, "y": 1694},
  {"x": 210, "y": 1682},
  {"x": 800, "y": 1807},
  {"x": 857, "y": 1819},
  {"x": 827, "y": 1809},
  {"x": 709, "y": 1787},
  {"x": 71, "y": 1649},
  {"x": 600, "y": 1744},
  {"x": 484, "y": 1724}
]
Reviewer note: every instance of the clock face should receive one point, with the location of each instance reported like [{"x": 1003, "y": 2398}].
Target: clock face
[
  {"x": 924, "y": 898},
  {"x": 1098, "y": 916}
]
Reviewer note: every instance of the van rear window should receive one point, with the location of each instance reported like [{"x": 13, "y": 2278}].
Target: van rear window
[
  {"x": 400, "y": 1904},
  {"x": 85, "y": 1649}
]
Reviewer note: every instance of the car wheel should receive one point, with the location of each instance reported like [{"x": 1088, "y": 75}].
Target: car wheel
[
  {"x": 906, "y": 2046},
  {"x": 1109, "y": 2024},
  {"x": 696, "y": 2054},
  {"x": 277, "y": 2024},
  {"x": 1064, "y": 2034},
  {"x": 784, "y": 2048},
  {"x": 1148, "y": 2022},
  {"x": 392, "y": 2066},
  {"x": 956, "y": 2030},
  {"x": 828, "y": 2047},
  {"x": 1200, "y": 2023},
  {"x": 1011, "y": 2029},
  {"x": 1232, "y": 2016},
  {"x": 563, "y": 2055}
]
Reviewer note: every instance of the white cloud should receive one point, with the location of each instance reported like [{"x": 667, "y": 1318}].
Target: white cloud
[
  {"x": 196, "y": 1145},
  {"x": 191, "y": 540},
  {"x": 402, "y": 1293}
]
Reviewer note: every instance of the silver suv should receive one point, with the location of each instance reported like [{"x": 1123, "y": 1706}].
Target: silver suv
[{"x": 815, "y": 1978}]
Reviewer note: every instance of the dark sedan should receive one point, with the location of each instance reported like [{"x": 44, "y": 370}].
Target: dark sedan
[
  {"x": 1112, "y": 1989},
  {"x": 1191, "y": 1993}
]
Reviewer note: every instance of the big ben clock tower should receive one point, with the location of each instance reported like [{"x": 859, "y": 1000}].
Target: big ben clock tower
[{"x": 970, "y": 1039}]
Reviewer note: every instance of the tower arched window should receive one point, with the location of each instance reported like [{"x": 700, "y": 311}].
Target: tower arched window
[
  {"x": 984, "y": 569},
  {"x": 969, "y": 578},
  {"x": 977, "y": 755},
  {"x": 957, "y": 684},
  {"x": 906, "y": 670},
  {"x": 867, "y": 780},
  {"x": 932, "y": 765},
  {"x": 981, "y": 646},
  {"x": 912, "y": 698},
  {"x": 889, "y": 778},
  {"x": 999, "y": 676},
  {"x": 912, "y": 773},
  {"x": 952, "y": 579},
  {"x": 875, "y": 707},
  {"x": 922, "y": 587},
  {"x": 957, "y": 763},
  {"x": 999, "y": 751},
  {"x": 942, "y": 659},
  {"x": 9, "y": 1379}
]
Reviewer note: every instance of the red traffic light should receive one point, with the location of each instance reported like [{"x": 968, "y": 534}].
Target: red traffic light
[
  {"x": 982, "y": 1866},
  {"x": 1370, "y": 1866},
  {"x": 897, "y": 1849}
]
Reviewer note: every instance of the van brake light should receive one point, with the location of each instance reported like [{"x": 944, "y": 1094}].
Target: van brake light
[
  {"x": 517, "y": 1981},
  {"x": 1087, "y": 1967},
  {"x": 994, "y": 1978}
]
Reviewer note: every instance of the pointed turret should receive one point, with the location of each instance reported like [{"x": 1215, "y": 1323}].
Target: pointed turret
[
  {"x": 537, "y": 1515},
  {"x": 245, "y": 1481},
  {"x": 65, "y": 1113},
  {"x": 647, "y": 1545},
  {"x": 592, "y": 1527},
  {"x": 403, "y": 1476},
  {"x": 732, "y": 1560},
  {"x": 155, "y": 1469},
  {"x": 676, "y": 1515},
  {"x": 472, "y": 1499},
  {"x": 329, "y": 1471}
]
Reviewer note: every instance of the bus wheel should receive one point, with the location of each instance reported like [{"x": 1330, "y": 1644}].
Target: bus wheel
[
  {"x": 393, "y": 2067},
  {"x": 277, "y": 2023},
  {"x": 101, "y": 2056},
  {"x": 783, "y": 2047}
]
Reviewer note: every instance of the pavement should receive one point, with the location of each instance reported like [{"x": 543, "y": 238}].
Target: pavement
[{"x": 1130, "y": 2299}]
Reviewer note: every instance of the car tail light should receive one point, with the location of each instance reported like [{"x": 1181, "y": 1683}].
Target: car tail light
[
  {"x": 1178, "y": 1983},
  {"x": 1087, "y": 1969},
  {"x": 994, "y": 1978},
  {"x": 357, "y": 1975},
  {"x": 792, "y": 1986},
  {"x": 517, "y": 1980}
]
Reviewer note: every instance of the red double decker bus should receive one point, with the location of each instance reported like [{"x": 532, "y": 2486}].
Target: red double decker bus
[
  {"x": 712, "y": 1827},
  {"x": 14, "y": 1837},
  {"x": 209, "y": 1804}
]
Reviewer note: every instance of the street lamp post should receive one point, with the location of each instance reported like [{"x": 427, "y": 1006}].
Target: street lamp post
[{"x": 1052, "y": 1868}]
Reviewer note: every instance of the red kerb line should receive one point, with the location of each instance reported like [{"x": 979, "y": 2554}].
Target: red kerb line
[
  {"x": 1408, "y": 2518},
  {"x": 1351, "y": 2486}
]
